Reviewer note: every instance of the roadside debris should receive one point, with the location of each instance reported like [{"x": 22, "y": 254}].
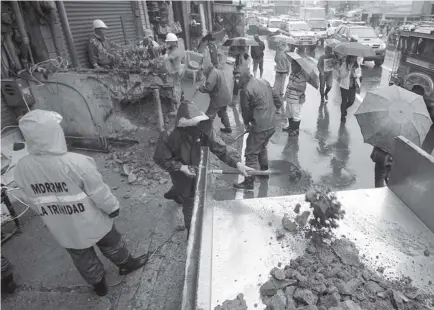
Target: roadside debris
[{"x": 236, "y": 304}]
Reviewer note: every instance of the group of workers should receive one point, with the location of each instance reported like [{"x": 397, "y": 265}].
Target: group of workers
[{"x": 78, "y": 208}]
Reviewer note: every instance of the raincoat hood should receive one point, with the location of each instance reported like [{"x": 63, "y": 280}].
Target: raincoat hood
[
  {"x": 189, "y": 115},
  {"x": 43, "y": 134}
]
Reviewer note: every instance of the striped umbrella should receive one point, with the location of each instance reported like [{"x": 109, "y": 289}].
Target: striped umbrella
[{"x": 240, "y": 41}]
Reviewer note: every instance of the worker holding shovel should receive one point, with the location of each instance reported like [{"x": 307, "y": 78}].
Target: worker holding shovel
[
  {"x": 218, "y": 91},
  {"x": 258, "y": 106},
  {"x": 179, "y": 154}
]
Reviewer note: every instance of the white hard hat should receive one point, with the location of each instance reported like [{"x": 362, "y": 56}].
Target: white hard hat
[
  {"x": 171, "y": 37},
  {"x": 97, "y": 23}
]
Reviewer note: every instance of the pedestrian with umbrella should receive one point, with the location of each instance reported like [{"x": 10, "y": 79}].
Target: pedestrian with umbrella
[
  {"x": 385, "y": 114},
  {"x": 257, "y": 53},
  {"x": 348, "y": 76},
  {"x": 325, "y": 67},
  {"x": 302, "y": 72}
]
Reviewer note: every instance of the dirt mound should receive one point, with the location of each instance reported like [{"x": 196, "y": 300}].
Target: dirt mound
[{"x": 331, "y": 276}]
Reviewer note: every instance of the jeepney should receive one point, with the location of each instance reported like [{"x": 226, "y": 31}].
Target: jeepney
[{"x": 413, "y": 65}]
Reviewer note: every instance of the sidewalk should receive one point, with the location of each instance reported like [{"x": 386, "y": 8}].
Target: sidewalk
[{"x": 43, "y": 270}]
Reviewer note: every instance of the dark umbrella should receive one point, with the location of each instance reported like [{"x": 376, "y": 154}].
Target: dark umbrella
[
  {"x": 240, "y": 41},
  {"x": 332, "y": 43},
  {"x": 354, "y": 49},
  {"x": 308, "y": 67}
]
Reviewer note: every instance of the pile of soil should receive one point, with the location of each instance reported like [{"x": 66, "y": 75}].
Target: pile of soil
[{"x": 331, "y": 276}]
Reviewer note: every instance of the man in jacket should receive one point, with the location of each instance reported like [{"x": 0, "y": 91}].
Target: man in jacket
[
  {"x": 178, "y": 153},
  {"x": 258, "y": 108},
  {"x": 210, "y": 51},
  {"x": 218, "y": 91},
  {"x": 100, "y": 49},
  {"x": 257, "y": 53},
  {"x": 66, "y": 190}
]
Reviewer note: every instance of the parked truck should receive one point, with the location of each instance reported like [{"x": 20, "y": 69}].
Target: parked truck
[{"x": 316, "y": 18}]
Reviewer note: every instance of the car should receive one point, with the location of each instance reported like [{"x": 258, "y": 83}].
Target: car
[
  {"x": 274, "y": 25},
  {"x": 304, "y": 38},
  {"x": 332, "y": 25},
  {"x": 364, "y": 35},
  {"x": 319, "y": 27}
]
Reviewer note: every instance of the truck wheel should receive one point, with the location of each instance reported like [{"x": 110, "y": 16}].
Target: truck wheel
[{"x": 379, "y": 63}]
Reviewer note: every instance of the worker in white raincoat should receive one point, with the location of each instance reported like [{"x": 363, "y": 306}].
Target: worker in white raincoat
[{"x": 69, "y": 194}]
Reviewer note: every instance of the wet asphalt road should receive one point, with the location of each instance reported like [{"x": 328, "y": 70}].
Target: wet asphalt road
[{"x": 330, "y": 153}]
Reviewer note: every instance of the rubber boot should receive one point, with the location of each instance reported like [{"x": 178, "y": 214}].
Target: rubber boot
[
  {"x": 8, "y": 284},
  {"x": 290, "y": 124},
  {"x": 295, "y": 129},
  {"x": 101, "y": 288},
  {"x": 133, "y": 264},
  {"x": 172, "y": 195},
  {"x": 247, "y": 184}
]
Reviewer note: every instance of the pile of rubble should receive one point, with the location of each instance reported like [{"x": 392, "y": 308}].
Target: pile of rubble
[{"x": 331, "y": 277}]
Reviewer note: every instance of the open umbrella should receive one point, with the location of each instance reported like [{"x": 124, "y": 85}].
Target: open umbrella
[
  {"x": 332, "y": 42},
  {"x": 240, "y": 41},
  {"x": 354, "y": 49},
  {"x": 308, "y": 67},
  {"x": 282, "y": 38},
  {"x": 392, "y": 111}
]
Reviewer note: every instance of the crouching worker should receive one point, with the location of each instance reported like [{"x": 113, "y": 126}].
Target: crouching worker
[
  {"x": 69, "y": 194},
  {"x": 179, "y": 154}
]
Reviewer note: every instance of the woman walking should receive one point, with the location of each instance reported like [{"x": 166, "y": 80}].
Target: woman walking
[
  {"x": 349, "y": 75},
  {"x": 295, "y": 97}
]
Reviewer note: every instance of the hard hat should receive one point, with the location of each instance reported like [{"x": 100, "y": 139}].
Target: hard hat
[
  {"x": 171, "y": 37},
  {"x": 97, "y": 23},
  {"x": 148, "y": 33}
]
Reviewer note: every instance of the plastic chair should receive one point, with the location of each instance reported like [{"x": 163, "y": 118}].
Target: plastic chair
[{"x": 193, "y": 64}]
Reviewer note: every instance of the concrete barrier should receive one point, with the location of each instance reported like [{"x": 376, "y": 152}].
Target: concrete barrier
[{"x": 412, "y": 179}]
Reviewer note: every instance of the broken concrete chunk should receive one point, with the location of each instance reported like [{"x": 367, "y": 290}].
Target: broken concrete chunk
[
  {"x": 311, "y": 249},
  {"x": 288, "y": 224},
  {"x": 329, "y": 301},
  {"x": 268, "y": 288},
  {"x": 297, "y": 208},
  {"x": 397, "y": 299},
  {"x": 347, "y": 288},
  {"x": 346, "y": 251},
  {"x": 310, "y": 307},
  {"x": 132, "y": 178},
  {"x": 290, "y": 303},
  {"x": 305, "y": 296},
  {"x": 373, "y": 287},
  {"x": 278, "y": 301},
  {"x": 280, "y": 233},
  {"x": 302, "y": 219},
  {"x": 237, "y": 304},
  {"x": 278, "y": 273},
  {"x": 289, "y": 291},
  {"x": 347, "y": 305}
]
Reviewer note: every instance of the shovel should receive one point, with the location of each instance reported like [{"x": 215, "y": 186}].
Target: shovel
[{"x": 277, "y": 167}]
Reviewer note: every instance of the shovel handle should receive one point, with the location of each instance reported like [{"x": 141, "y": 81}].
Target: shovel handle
[{"x": 253, "y": 172}]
